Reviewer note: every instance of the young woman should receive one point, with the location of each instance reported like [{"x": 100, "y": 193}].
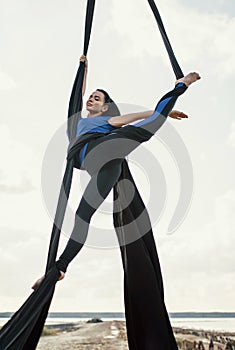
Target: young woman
[{"x": 102, "y": 157}]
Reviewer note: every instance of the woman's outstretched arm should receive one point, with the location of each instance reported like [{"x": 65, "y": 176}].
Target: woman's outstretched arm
[
  {"x": 129, "y": 118},
  {"x": 125, "y": 119}
]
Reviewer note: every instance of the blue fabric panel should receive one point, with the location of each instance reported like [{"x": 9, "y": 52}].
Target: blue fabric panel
[
  {"x": 83, "y": 152},
  {"x": 156, "y": 113},
  {"x": 94, "y": 124}
]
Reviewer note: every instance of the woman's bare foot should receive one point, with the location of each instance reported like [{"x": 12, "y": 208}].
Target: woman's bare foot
[
  {"x": 62, "y": 274},
  {"x": 38, "y": 282},
  {"x": 189, "y": 79}
]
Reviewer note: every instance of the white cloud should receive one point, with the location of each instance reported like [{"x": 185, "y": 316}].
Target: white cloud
[
  {"x": 7, "y": 82},
  {"x": 219, "y": 6},
  {"x": 202, "y": 38},
  {"x": 17, "y": 159},
  {"x": 200, "y": 261},
  {"x": 231, "y": 136}
]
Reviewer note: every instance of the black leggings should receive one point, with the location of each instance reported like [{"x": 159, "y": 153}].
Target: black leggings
[{"x": 102, "y": 160}]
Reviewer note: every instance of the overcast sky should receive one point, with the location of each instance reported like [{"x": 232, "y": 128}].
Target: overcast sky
[{"x": 41, "y": 43}]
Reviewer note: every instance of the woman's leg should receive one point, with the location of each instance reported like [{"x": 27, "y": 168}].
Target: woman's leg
[
  {"x": 162, "y": 110},
  {"x": 96, "y": 191},
  {"x": 166, "y": 104}
]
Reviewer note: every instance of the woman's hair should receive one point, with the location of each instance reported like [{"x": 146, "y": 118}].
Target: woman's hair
[{"x": 113, "y": 109}]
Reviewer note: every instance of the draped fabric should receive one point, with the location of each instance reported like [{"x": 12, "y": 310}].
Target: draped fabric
[
  {"x": 147, "y": 321},
  {"x": 175, "y": 65}
]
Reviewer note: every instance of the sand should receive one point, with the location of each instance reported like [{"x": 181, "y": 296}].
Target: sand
[
  {"x": 108, "y": 335},
  {"x": 111, "y": 335}
]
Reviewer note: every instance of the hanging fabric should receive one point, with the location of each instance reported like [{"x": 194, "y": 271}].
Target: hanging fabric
[{"x": 175, "y": 65}]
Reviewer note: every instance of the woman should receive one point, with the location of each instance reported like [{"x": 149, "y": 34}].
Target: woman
[{"x": 102, "y": 157}]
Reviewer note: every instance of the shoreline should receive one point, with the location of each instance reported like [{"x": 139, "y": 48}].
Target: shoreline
[{"x": 99, "y": 334}]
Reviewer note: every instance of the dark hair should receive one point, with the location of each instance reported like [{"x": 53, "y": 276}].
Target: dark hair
[{"x": 113, "y": 109}]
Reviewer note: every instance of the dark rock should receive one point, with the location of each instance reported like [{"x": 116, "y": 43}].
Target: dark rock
[
  {"x": 195, "y": 333},
  {"x": 94, "y": 320}
]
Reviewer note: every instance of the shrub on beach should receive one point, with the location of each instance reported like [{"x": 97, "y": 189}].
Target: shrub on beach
[
  {"x": 184, "y": 344},
  {"x": 47, "y": 331}
]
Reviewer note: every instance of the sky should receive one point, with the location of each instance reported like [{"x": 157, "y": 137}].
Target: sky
[{"x": 40, "y": 48}]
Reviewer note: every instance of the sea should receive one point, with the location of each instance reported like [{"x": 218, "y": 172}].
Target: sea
[{"x": 217, "y": 321}]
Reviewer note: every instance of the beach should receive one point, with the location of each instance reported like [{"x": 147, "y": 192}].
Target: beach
[
  {"x": 107, "y": 335},
  {"x": 111, "y": 335}
]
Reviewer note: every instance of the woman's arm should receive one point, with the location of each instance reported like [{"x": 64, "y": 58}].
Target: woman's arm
[
  {"x": 129, "y": 118},
  {"x": 84, "y": 59},
  {"x": 119, "y": 121}
]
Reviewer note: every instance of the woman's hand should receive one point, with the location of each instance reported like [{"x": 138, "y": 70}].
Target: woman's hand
[
  {"x": 38, "y": 282},
  {"x": 177, "y": 115},
  {"x": 84, "y": 59}
]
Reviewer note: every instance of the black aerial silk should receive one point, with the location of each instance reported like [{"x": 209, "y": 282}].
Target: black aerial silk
[{"x": 147, "y": 321}]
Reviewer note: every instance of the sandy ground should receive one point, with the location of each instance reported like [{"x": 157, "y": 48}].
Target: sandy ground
[
  {"x": 111, "y": 335},
  {"x": 108, "y": 335}
]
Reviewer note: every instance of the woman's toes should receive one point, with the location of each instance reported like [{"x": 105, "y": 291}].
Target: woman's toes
[{"x": 37, "y": 283}]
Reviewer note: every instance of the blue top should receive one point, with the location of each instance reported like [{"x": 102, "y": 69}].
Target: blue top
[{"x": 94, "y": 124}]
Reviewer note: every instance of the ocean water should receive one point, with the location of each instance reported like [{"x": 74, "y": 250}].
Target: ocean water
[
  {"x": 223, "y": 324},
  {"x": 217, "y": 324}
]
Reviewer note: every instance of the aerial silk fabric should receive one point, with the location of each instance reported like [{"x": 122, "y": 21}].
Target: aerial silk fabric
[{"x": 147, "y": 321}]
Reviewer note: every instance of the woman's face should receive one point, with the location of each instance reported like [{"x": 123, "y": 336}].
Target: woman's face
[{"x": 96, "y": 103}]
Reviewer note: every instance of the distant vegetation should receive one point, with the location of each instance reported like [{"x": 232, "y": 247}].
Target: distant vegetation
[{"x": 47, "y": 331}]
